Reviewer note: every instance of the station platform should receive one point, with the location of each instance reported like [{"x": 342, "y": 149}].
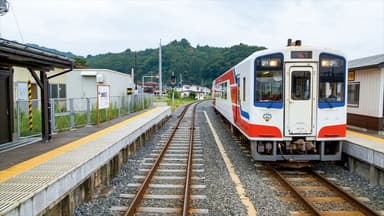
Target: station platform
[
  {"x": 365, "y": 155},
  {"x": 36, "y": 177}
]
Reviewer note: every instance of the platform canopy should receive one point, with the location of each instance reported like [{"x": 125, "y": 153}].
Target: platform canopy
[
  {"x": 16, "y": 54},
  {"x": 35, "y": 60}
]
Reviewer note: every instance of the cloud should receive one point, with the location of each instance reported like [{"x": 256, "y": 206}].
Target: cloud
[{"x": 99, "y": 26}]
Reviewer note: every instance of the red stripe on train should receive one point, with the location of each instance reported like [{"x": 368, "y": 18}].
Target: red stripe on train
[
  {"x": 229, "y": 75},
  {"x": 333, "y": 131},
  {"x": 254, "y": 130}
]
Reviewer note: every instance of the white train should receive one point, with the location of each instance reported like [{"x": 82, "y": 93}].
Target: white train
[{"x": 289, "y": 103}]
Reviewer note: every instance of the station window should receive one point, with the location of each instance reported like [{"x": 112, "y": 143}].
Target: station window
[
  {"x": 34, "y": 90},
  {"x": 269, "y": 81},
  {"x": 62, "y": 91},
  {"x": 58, "y": 91},
  {"x": 353, "y": 94},
  {"x": 331, "y": 81}
]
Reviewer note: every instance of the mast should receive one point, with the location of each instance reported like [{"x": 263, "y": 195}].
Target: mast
[{"x": 160, "y": 80}]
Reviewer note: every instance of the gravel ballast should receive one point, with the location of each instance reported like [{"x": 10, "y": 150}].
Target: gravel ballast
[{"x": 222, "y": 197}]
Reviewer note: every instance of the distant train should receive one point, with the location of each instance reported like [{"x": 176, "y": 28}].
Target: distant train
[{"x": 289, "y": 103}]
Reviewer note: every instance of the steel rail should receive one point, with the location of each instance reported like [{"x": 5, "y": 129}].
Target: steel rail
[
  {"x": 313, "y": 210},
  {"x": 345, "y": 195},
  {"x": 135, "y": 202},
  {"x": 189, "y": 166}
]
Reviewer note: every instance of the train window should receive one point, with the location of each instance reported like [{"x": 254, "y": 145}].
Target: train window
[
  {"x": 301, "y": 85},
  {"x": 331, "y": 81},
  {"x": 244, "y": 88},
  {"x": 269, "y": 81},
  {"x": 225, "y": 91},
  {"x": 221, "y": 90},
  {"x": 218, "y": 91},
  {"x": 238, "y": 89}
]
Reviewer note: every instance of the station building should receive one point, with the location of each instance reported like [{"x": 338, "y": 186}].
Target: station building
[
  {"x": 366, "y": 93},
  {"x": 57, "y": 85},
  {"x": 37, "y": 66},
  {"x": 81, "y": 83},
  {"x": 49, "y": 78}
]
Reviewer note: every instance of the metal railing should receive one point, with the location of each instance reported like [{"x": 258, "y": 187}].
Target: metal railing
[{"x": 66, "y": 114}]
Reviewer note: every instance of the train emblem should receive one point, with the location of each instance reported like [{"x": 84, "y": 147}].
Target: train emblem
[{"x": 267, "y": 116}]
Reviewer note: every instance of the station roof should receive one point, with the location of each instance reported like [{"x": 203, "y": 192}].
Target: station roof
[
  {"x": 17, "y": 54},
  {"x": 370, "y": 61}
]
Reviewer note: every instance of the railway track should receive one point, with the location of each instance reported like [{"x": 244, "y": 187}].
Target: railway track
[
  {"x": 174, "y": 169},
  {"x": 319, "y": 195}
]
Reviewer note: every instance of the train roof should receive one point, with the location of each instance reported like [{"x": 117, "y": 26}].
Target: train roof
[
  {"x": 291, "y": 48},
  {"x": 286, "y": 50}
]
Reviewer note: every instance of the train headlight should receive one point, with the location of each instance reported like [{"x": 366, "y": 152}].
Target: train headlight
[
  {"x": 269, "y": 63},
  {"x": 329, "y": 63},
  {"x": 325, "y": 63},
  {"x": 273, "y": 63}
]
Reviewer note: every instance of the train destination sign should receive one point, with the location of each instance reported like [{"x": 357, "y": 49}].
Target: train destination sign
[{"x": 301, "y": 54}]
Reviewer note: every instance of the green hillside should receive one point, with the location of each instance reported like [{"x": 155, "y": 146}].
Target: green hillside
[{"x": 198, "y": 65}]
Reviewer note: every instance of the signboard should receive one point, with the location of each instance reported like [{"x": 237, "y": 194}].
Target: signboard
[
  {"x": 22, "y": 91},
  {"x": 103, "y": 96}
]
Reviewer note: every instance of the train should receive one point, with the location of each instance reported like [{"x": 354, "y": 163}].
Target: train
[{"x": 289, "y": 103}]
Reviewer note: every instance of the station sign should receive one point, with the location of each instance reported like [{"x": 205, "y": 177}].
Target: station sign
[{"x": 103, "y": 96}]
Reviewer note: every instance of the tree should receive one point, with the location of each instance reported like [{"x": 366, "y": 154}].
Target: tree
[
  {"x": 198, "y": 65},
  {"x": 80, "y": 61}
]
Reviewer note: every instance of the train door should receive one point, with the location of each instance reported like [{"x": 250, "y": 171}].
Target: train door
[
  {"x": 237, "y": 110},
  {"x": 299, "y": 101}
]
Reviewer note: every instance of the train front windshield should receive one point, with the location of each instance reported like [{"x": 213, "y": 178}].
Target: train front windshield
[
  {"x": 269, "y": 81},
  {"x": 332, "y": 72}
]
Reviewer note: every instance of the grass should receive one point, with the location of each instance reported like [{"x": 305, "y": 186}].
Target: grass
[
  {"x": 63, "y": 123},
  {"x": 178, "y": 102},
  {"x": 24, "y": 123}
]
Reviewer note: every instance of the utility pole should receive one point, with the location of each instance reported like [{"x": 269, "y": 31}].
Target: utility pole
[
  {"x": 160, "y": 75},
  {"x": 4, "y": 8},
  {"x": 181, "y": 80}
]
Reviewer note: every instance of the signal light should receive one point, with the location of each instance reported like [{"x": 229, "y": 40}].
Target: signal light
[{"x": 173, "y": 79}]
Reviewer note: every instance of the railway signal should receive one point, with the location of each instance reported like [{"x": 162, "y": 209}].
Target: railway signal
[
  {"x": 173, "y": 80},
  {"x": 173, "y": 83}
]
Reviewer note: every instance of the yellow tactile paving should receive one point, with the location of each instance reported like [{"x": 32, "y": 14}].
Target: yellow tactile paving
[
  {"x": 26, "y": 165},
  {"x": 365, "y": 136}
]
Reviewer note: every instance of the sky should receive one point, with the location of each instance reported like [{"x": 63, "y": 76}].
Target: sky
[{"x": 91, "y": 27}]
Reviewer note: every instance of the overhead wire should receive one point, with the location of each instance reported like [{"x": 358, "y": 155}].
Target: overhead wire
[{"x": 12, "y": 9}]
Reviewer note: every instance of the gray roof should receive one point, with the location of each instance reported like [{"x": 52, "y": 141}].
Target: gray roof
[
  {"x": 16, "y": 54},
  {"x": 375, "y": 60}
]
